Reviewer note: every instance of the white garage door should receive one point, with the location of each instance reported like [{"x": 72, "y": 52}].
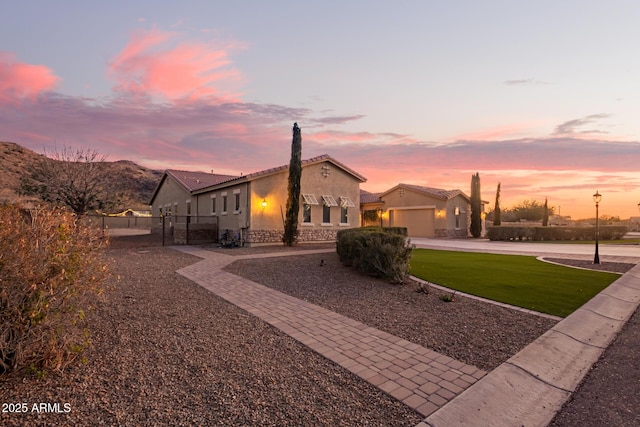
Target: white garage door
[{"x": 419, "y": 222}]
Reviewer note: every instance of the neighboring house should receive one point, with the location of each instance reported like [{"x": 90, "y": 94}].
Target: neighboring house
[
  {"x": 253, "y": 206},
  {"x": 425, "y": 211}
]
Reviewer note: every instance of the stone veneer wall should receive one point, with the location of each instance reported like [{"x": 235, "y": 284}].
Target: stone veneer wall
[{"x": 304, "y": 235}]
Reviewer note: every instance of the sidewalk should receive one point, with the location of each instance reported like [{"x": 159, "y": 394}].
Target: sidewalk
[{"x": 421, "y": 378}]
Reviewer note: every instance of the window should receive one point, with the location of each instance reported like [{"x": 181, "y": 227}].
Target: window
[
  {"x": 456, "y": 211},
  {"x": 188, "y": 210},
  {"x": 310, "y": 199},
  {"x": 224, "y": 203},
  {"x": 306, "y": 213},
  {"x": 237, "y": 203},
  {"x": 344, "y": 215},
  {"x": 213, "y": 205},
  {"x": 326, "y": 214}
]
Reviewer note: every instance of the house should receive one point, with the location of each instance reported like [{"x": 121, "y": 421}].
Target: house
[
  {"x": 252, "y": 207},
  {"x": 425, "y": 211}
]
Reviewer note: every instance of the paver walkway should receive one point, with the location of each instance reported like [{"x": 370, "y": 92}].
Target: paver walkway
[{"x": 421, "y": 378}]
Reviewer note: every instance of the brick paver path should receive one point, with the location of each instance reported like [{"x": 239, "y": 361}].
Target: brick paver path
[{"x": 421, "y": 378}]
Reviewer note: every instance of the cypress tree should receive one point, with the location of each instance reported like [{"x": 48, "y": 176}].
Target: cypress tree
[
  {"x": 476, "y": 206},
  {"x": 497, "y": 220},
  {"x": 545, "y": 214},
  {"x": 293, "y": 202}
]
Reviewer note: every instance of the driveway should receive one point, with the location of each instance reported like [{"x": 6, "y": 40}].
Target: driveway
[{"x": 528, "y": 248}]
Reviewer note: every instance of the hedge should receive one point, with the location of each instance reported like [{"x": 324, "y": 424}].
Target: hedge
[
  {"x": 376, "y": 251},
  {"x": 607, "y": 232}
]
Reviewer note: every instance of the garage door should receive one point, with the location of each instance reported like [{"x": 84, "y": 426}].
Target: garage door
[{"x": 419, "y": 222}]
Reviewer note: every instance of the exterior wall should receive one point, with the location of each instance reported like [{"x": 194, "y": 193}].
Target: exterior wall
[
  {"x": 172, "y": 198},
  {"x": 267, "y": 223},
  {"x": 453, "y": 228},
  {"x": 231, "y": 218}
]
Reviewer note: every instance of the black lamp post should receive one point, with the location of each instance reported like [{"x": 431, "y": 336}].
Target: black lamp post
[{"x": 596, "y": 198}]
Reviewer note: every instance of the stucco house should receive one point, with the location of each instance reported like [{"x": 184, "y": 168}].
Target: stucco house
[
  {"x": 425, "y": 211},
  {"x": 253, "y": 206}
]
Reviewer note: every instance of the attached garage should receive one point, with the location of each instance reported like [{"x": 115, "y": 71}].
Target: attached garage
[
  {"x": 419, "y": 222},
  {"x": 424, "y": 211}
]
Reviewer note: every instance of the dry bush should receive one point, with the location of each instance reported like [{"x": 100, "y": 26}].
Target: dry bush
[{"x": 50, "y": 272}]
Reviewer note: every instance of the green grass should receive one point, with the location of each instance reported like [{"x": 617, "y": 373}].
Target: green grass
[{"x": 518, "y": 280}]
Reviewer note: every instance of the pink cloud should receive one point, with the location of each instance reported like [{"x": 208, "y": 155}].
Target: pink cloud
[
  {"x": 20, "y": 80},
  {"x": 155, "y": 62},
  {"x": 498, "y": 132}
]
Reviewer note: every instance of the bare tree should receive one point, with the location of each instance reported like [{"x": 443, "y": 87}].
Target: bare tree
[{"x": 74, "y": 177}]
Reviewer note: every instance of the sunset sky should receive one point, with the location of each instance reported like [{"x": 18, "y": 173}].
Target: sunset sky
[{"x": 542, "y": 96}]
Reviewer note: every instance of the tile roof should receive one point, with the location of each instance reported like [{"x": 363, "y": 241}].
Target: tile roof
[
  {"x": 438, "y": 193},
  {"x": 434, "y": 192},
  {"x": 366, "y": 197},
  {"x": 193, "y": 181}
]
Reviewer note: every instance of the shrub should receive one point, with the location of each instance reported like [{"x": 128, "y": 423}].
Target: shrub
[
  {"x": 49, "y": 268},
  {"x": 376, "y": 251},
  {"x": 607, "y": 232}
]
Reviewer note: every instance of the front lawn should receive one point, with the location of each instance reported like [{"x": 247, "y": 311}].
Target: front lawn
[{"x": 518, "y": 280}]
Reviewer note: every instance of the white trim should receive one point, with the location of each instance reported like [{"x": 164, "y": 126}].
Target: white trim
[
  {"x": 307, "y": 224},
  {"x": 329, "y": 200},
  {"x": 188, "y": 201},
  {"x": 224, "y": 193},
  {"x": 213, "y": 196},
  {"x": 236, "y": 191},
  {"x": 343, "y": 224},
  {"x": 310, "y": 199},
  {"x": 346, "y": 202},
  {"x": 326, "y": 224}
]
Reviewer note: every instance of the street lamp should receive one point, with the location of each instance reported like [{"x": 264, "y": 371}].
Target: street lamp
[{"x": 596, "y": 198}]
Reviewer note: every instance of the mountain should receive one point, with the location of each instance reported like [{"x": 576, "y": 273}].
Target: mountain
[{"x": 134, "y": 181}]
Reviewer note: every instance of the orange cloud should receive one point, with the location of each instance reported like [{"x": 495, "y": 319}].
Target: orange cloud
[
  {"x": 155, "y": 63},
  {"x": 20, "y": 80}
]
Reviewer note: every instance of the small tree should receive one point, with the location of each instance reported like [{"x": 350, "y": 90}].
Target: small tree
[
  {"x": 76, "y": 178},
  {"x": 476, "y": 206},
  {"x": 497, "y": 220},
  {"x": 545, "y": 215},
  {"x": 293, "y": 202}
]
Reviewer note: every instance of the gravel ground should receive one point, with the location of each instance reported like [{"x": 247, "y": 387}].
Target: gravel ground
[
  {"x": 480, "y": 334},
  {"x": 167, "y": 352}
]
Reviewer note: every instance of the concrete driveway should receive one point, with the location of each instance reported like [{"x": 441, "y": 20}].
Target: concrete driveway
[{"x": 528, "y": 248}]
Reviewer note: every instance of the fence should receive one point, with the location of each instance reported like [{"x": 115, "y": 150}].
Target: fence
[{"x": 169, "y": 230}]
